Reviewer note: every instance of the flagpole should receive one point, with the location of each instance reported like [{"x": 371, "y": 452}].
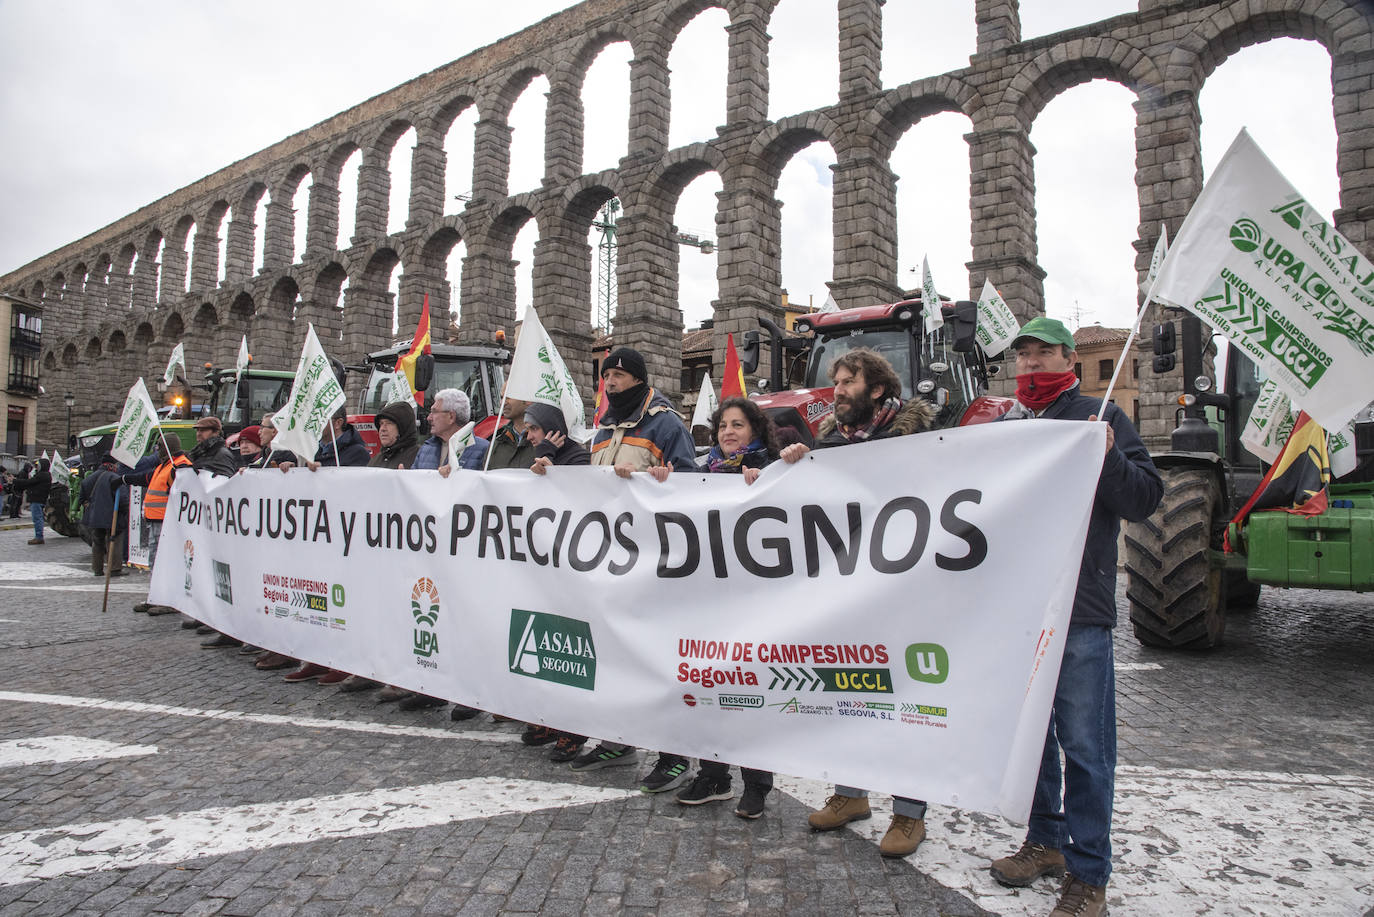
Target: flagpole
[
  {"x": 1125, "y": 351},
  {"x": 491, "y": 446}
]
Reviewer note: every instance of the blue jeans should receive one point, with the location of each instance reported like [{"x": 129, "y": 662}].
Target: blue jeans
[
  {"x": 36, "y": 511},
  {"x": 1083, "y": 724},
  {"x": 901, "y": 805}
]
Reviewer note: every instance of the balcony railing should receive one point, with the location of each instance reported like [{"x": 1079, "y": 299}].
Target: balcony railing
[
  {"x": 24, "y": 339},
  {"x": 23, "y": 383}
]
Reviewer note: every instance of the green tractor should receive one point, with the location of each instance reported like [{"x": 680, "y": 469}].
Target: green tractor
[
  {"x": 1180, "y": 579},
  {"x": 237, "y": 402}
]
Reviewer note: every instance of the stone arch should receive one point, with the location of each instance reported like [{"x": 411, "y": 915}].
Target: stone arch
[
  {"x": 117, "y": 342},
  {"x": 144, "y": 334},
  {"x": 174, "y": 259},
  {"x": 173, "y": 328},
  {"x": 496, "y": 98},
  {"x": 49, "y": 362},
  {"x": 904, "y": 107},
  {"x": 1071, "y": 64},
  {"x": 459, "y": 101},
  {"x": 38, "y": 291},
  {"x": 94, "y": 348},
  {"x": 1342, "y": 25},
  {"x": 775, "y": 146},
  {"x": 69, "y": 356},
  {"x": 321, "y": 306}
]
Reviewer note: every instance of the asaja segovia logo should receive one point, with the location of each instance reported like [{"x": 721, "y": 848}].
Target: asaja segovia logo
[
  {"x": 1246, "y": 235},
  {"x": 927, "y": 662},
  {"x": 552, "y": 648},
  {"x": 424, "y": 608}
]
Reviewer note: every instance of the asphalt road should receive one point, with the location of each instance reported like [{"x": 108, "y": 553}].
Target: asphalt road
[{"x": 141, "y": 774}]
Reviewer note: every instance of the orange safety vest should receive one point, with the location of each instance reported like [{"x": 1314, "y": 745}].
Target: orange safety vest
[{"x": 155, "y": 500}]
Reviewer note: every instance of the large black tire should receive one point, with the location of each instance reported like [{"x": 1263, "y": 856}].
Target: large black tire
[
  {"x": 1241, "y": 594},
  {"x": 1177, "y": 595},
  {"x": 55, "y": 513}
]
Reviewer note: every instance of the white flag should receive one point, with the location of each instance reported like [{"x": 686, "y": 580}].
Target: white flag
[
  {"x": 396, "y": 387},
  {"x": 60, "y": 472},
  {"x": 178, "y": 358},
  {"x": 930, "y": 300},
  {"x": 830, "y": 304},
  {"x": 460, "y": 441},
  {"x": 1258, "y": 263},
  {"x": 1340, "y": 450},
  {"x": 315, "y": 396},
  {"x": 997, "y": 324},
  {"x": 537, "y": 373},
  {"x": 44, "y": 457},
  {"x": 243, "y": 359},
  {"x": 706, "y": 403},
  {"x": 1157, "y": 259},
  {"x": 1271, "y": 420},
  {"x": 137, "y": 425}
]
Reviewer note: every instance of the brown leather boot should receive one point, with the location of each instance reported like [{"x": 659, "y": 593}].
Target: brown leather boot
[
  {"x": 1028, "y": 864},
  {"x": 903, "y": 836},
  {"x": 1079, "y": 899},
  {"x": 839, "y": 811}
]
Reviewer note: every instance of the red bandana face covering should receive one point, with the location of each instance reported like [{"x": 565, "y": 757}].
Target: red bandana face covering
[{"x": 1038, "y": 390}]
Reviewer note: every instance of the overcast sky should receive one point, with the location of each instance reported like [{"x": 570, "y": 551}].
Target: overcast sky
[{"x": 106, "y": 108}]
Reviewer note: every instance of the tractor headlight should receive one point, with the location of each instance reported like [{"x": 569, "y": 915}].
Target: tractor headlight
[
  {"x": 1202, "y": 384},
  {"x": 925, "y": 386}
]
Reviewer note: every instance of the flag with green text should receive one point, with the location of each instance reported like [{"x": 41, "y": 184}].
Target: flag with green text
[
  {"x": 137, "y": 425},
  {"x": 315, "y": 396}
]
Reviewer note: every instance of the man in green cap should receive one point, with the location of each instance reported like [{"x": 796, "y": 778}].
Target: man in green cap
[{"x": 1071, "y": 812}]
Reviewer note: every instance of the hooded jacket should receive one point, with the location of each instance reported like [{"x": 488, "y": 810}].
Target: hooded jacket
[
  {"x": 36, "y": 483},
  {"x": 1129, "y": 488},
  {"x": 551, "y": 420},
  {"x": 653, "y": 434},
  {"x": 352, "y": 451},
  {"x": 402, "y": 452},
  {"x": 915, "y": 416}
]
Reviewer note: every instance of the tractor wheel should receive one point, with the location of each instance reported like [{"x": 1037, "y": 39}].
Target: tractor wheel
[
  {"x": 55, "y": 513},
  {"x": 1177, "y": 595}
]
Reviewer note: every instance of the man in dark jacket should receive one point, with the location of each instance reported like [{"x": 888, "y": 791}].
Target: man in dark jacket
[
  {"x": 1071, "y": 813},
  {"x": 449, "y": 412},
  {"x": 36, "y": 484},
  {"x": 640, "y": 430},
  {"x": 210, "y": 453},
  {"x": 509, "y": 446},
  {"x": 100, "y": 491},
  {"x": 869, "y": 406}
]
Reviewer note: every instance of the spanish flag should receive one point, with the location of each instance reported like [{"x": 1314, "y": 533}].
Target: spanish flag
[
  {"x": 732, "y": 382},
  {"x": 418, "y": 345},
  {"x": 1297, "y": 481},
  {"x": 601, "y": 403}
]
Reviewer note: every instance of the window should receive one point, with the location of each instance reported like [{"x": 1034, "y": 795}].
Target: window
[
  {"x": 1104, "y": 370},
  {"x": 1135, "y": 369}
]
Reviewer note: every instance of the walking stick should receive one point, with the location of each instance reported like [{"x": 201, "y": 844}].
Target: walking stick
[{"x": 109, "y": 551}]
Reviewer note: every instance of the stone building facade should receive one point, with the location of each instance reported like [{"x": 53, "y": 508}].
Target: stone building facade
[{"x": 114, "y": 305}]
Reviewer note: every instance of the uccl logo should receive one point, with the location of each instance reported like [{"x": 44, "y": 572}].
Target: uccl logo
[
  {"x": 424, "y": 608},
  {"x": 552, "y": 648},
  {"x": 927, "y": 662},
  {"x": 1246, "y": 235}
]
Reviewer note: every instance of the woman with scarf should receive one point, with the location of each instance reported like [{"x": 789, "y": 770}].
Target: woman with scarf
[{"x": 742, "y": 442}]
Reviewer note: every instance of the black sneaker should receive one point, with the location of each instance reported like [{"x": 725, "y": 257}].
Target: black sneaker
[
  {"x": 703, "y": 790},
  {"x": 566, "y": 749},
  {"x": 605, "y": 756},
  {"x": 751, "y": 803},
  {"x": 536, "y": 735},
  {"x": 665, "y": 777}
]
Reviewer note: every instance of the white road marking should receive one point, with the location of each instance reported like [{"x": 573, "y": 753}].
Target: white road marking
[
  {"x": 273, "y": 719},
  {"x": 115, "y": 586},
  {"x": 44, "y": 853},
  {"x": 1220, "y": 843},
  {"x": 60, "y": 749},
  {"x": 1138, "y": 667},
  {"x": 35, "y": 570}
]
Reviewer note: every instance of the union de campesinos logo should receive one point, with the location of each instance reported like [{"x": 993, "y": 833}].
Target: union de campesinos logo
[
  {"x": 552, "y": 648},
  {"x": 424, "y": 608}
]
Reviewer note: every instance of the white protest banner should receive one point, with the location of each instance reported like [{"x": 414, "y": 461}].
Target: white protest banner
[
  {"x": 137, "y": 426},
  {"x": 706, "y": 403},
  {"x": 178, "y": 358},
  {"x": 60, "y": 472},
  {"x": 140, "y": 531},
  {"x": 538, "y": 373},
  {"x": 1258, "y": 263},
  {"x": 930, "y": 299},
  {"x": 243, "y": 360},
  {"x": 838, "y": 619},
  {"x": 1156, "y": 260},
  {"x": 460, "y": 441},
  {"x": 1270, "y": 422},
  {"x": 997, "y": 324},
  {"x": 315, "y": 396}
]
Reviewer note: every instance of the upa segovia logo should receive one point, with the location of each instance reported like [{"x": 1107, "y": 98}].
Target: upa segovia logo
[
  {"x": 552, "y": 648},
  {"x": 928, "y": 662},
  {"x": 424, "y": 608}
]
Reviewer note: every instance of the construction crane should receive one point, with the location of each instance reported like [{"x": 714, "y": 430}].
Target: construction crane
[{"x": 605, "y": 264}]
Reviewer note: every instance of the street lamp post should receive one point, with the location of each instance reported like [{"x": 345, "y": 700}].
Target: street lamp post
[{"x": 69, "y": 399}]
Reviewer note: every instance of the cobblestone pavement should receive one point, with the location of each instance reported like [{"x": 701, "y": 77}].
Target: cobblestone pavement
[{"x": 193, "y": 784}]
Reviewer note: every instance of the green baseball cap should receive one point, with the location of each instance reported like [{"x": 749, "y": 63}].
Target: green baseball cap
[{"x": 1049, "y": 330}]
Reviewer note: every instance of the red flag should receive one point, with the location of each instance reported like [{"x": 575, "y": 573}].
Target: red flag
[
  {"x": 1297, "y": 481},
  {"x": 732, "y": 381},
  {"x": 418, "y": 345},
  {"x": 601, "y": 403}
]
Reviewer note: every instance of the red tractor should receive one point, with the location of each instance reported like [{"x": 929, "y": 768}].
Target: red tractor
[
  {"x": 477, "y": 370},
  {"x": 947, "y": 367}
]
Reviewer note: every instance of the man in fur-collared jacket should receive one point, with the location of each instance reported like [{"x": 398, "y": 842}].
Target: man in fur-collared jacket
[{"x": 868, "y": 405}]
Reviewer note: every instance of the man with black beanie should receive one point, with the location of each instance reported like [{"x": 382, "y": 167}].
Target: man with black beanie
[{"x": 640, "y": 430}]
